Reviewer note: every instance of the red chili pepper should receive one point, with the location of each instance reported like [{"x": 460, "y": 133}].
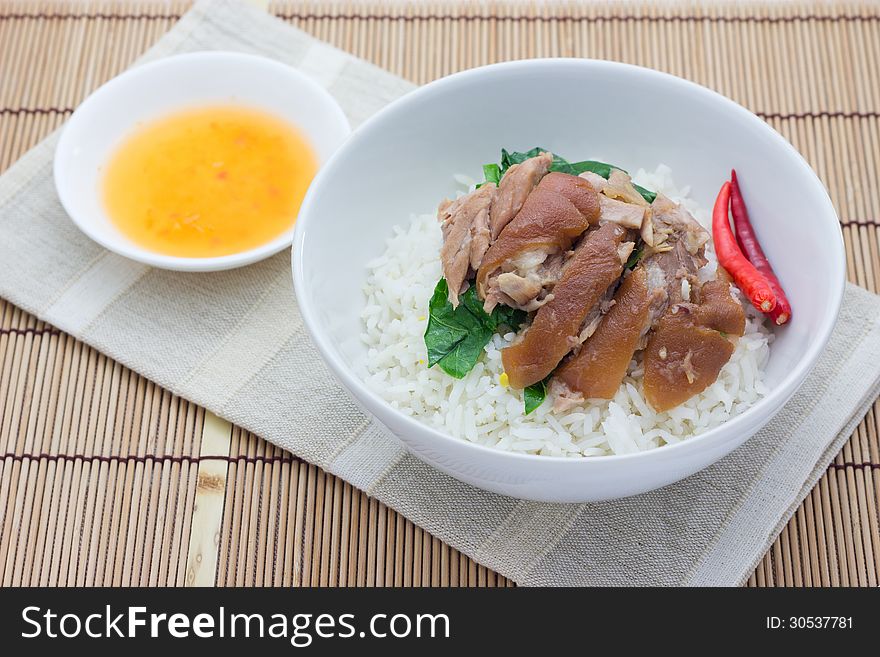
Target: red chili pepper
[
  {"x": 751, "y": 248},
  {"x": 748, "y": 279}
]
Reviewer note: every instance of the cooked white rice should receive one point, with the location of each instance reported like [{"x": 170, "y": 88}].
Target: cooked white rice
[{"x": 479, "y": 409}]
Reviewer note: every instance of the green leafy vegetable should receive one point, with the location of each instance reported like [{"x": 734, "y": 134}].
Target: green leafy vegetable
[
  {"x": 560, "y": 164},
  {"x": 492, "y": 173},
  {"x": 455, "y": 337},
  {"x": 534, "y": 395},
  {"x": 647, "y": 194},
  {"x": 509, "y": 159},
  {"x": 600, "y": 168},
  {"x": 634, "y": 257}
]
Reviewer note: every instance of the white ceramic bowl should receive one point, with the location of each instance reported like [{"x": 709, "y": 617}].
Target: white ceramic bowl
[
  {"x": 152, "y": 90},
  {"x": 401, "y": 161}
]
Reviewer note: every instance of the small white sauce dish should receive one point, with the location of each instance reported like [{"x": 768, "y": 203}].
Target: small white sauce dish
[
  {"x": 153, "y": 90},
  {"x": 402, "y": 160}
]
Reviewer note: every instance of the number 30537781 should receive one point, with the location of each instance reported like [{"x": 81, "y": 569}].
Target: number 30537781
[{"x": 810, "y": 623}]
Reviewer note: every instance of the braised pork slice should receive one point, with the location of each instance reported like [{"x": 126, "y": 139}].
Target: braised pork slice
[
  {"x": 628, "y": 215},
  {"x": 619, "y": 186},
  {"x": 596, "y": 181},
  {"x": 719, "y": 310},
  {"x": 465, "y": 225},
  {"x": 532, "y": 246},
  {"x": 690, "y": 345},
  {"x": 586, "y": 277},
  {"x": 662, "y": 277},
  {"x": 631, "y": 212},
  {"x": 673, "y": 257},
  {"x": 513, "y": 189},
  {"x": 599, "y": 367},
  {"x": 671, "y": 219}
]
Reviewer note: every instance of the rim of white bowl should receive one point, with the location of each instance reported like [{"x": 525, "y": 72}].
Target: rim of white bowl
[
  {"x": 178, "y": 263},
  {"x": 775, "y": 398}
]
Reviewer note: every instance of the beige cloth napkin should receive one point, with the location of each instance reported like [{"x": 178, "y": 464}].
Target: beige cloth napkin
[{"x": 234, "y": 343}]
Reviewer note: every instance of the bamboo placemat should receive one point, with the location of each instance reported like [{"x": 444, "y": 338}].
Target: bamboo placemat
[{"x": 107, "y": 479}]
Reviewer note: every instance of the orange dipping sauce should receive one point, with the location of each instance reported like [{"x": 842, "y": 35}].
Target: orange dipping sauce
[{"x": 208, "y": 182}]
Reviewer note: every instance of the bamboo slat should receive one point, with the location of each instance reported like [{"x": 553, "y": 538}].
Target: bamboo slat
[{"x": 107, "y": 479}]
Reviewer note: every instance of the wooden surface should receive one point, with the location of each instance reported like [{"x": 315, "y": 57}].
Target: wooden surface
[{"x": 107, "y": 479}]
